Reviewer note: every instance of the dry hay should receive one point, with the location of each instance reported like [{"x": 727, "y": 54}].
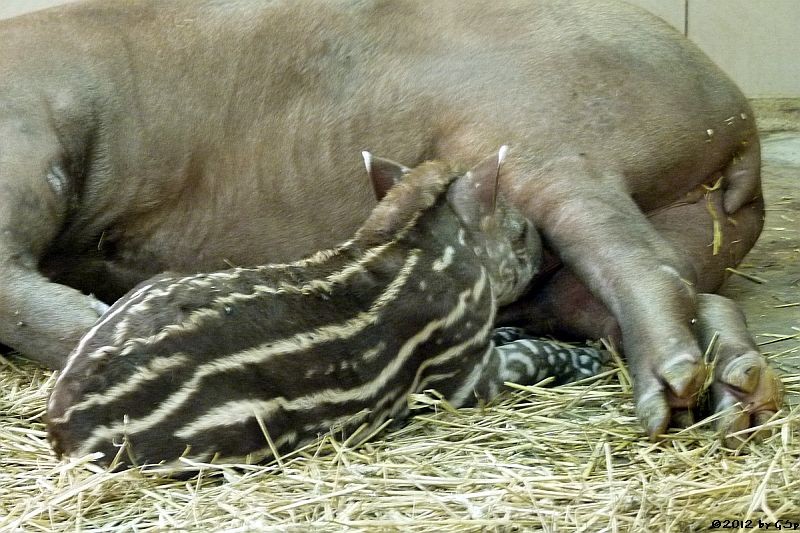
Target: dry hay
[{"x": 571, "y": 458}]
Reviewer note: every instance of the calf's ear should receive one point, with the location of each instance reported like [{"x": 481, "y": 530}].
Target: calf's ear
[
  {"x": 474, "y": 195},
  {"x": 383, "y": 173}
]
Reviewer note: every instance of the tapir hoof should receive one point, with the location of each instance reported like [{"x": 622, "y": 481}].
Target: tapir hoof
[
  {"x": 747, "y": 393},
  {"x": 666, "y": 397}
]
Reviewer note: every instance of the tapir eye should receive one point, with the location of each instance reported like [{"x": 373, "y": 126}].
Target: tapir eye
[{"x": 522, "y": 238}]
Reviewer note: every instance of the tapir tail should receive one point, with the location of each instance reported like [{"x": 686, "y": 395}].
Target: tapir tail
[{"x": 743, "y": 176}]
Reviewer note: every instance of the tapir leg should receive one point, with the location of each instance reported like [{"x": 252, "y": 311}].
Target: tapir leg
[
  {"x": 41, "y": 319},
  {"x": 564, "y": 306},
  {"x": 745, "y": 387},
  {"x": 648, "y": 284}
]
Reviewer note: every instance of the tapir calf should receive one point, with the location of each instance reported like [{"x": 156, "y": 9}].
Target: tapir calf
[{"x": 140, "y": 136}]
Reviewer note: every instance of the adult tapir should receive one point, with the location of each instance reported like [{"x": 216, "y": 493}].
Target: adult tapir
[{"x": 138, "y": 136}]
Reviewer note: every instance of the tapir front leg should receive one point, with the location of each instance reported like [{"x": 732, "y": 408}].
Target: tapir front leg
[
  {"x": 518, "y": 357},
  {"x": 600, "y": 233},
  {"x": 43, "y": 320}
]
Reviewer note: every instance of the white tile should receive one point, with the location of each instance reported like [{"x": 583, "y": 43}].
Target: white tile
[
  {"x": 672, "y": 11},
  {"x": 12, "y": 8},
  {"x": 756, "y": 43}
]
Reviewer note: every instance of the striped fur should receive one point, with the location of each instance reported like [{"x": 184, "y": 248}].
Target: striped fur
[{"x": 235, "y": 364}]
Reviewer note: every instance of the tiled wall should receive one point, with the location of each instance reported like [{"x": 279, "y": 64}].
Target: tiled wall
[
  {"x": 10, "y": 8},
  {"x": 673, "y": 11},
  {"x": 756, "y": 42}
]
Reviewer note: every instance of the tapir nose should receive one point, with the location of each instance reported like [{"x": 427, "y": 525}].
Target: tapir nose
[
  {"x": 67, "y": 430},
  {"x": 59, "y": 440},
  {"x": 63, "y": 396}
]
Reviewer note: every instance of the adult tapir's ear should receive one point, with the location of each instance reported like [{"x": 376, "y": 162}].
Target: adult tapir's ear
[
  {"x": 383, "y": 173},
  {"x": 474, "y": 195}
]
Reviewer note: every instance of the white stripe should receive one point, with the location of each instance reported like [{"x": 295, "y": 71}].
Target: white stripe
[
  {"x": 298, "y": 342},
  {"x": 459, "y": 397},
  {"x": 229, "y": 414},
  {"x": 534, "y": 346},
  {"x": 477, "y": 292},
  {"x": 154, "y": 370},
  {"x": 445, "y": 261},
  {"x": 373, "y": 353},
  {"x": 238, "y": 409},
  {"x": 516, "y": 357},
  {"x": 92, "y": 332},
  {"x": 432, "y": 378}
]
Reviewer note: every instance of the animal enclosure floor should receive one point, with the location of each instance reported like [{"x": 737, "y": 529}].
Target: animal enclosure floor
[{"x": 773, "y": 307}]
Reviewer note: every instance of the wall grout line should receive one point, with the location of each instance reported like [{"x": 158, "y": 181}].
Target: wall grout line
[{"x": 686, "y": 18}]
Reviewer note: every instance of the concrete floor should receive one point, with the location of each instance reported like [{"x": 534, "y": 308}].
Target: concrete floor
[{"x": 773, "y": 307}]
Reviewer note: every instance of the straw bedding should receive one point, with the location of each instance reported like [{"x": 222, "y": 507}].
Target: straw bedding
[{"x": 564, "y": 458}]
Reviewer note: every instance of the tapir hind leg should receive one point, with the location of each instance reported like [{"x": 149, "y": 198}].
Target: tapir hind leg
[
  {"x": 745, "y": 387},
  {"x": 711, "y": 242}
]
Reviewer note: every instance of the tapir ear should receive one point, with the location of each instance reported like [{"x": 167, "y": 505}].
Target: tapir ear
[
  {"x": 474, "y": 195},
  {"x": 383, "y": 174}
]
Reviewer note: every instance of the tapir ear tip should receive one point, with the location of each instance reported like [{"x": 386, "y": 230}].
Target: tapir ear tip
[
  {"x": 367, "y": 159},
  {"x": 502, "y": 153}
]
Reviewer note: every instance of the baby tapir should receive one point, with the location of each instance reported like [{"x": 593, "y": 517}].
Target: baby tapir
[{"x": 238, "y": 364}]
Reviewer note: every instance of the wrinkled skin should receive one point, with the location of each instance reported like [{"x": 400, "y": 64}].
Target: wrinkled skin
[{"x": 137, "y": 137}]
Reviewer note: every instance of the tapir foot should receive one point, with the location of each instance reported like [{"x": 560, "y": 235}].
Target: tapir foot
[{"x": 746, "y": 391}]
